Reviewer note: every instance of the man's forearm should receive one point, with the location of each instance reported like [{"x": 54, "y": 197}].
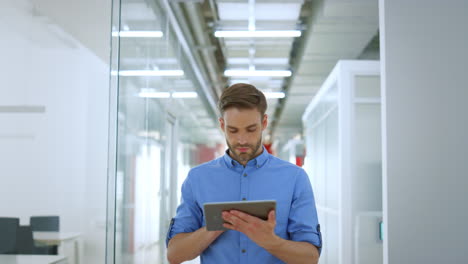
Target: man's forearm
[
  {"x": 187, "y": 246},
  {"x": 293, "y": 252}
]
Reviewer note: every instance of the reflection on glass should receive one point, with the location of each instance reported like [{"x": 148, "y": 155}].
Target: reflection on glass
[{"x": 162, "y": 130}]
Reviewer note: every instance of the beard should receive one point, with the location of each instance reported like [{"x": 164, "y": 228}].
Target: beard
[{"x": 244, "y": 157}]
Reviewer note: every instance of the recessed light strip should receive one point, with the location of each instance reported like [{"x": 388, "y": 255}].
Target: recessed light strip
[
  {"x": 181, "y": 95},
  {"x": 259, "y": 73},
  {"x": 154, "y": 94},
  {"x": 258, "y": 34},
  {"x": 138, "y": 34},
  {"x": 151, "y": 73}
]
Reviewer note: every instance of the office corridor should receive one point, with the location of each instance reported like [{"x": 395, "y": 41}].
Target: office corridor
[{"x": 105, "y": 107}]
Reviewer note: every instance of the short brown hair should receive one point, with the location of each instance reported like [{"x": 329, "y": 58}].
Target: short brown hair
[{"x": 242, "y": 96}]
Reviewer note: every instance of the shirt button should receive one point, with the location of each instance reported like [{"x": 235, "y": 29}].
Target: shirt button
[
  {"x": 243, "y": 251},
  {"x": 243, "y": 199},
  {"x": 245, "y": 174}
]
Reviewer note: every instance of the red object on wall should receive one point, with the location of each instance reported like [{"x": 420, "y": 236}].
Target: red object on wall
[
  {"x": 268, "y": 147},
  {"x": 204, "y": 153},
  {"x": 299, "y": 161}
]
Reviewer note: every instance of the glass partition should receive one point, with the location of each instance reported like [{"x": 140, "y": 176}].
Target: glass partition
[
  {"x": 342, "y": 133},
  {"x": 162, "y": 123},
  {"x": 54, "y": 96}
]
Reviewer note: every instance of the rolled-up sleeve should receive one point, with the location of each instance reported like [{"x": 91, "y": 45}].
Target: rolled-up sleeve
[
  {"x": 303, "y": 224},
  {"x": 189, "y": 215}
]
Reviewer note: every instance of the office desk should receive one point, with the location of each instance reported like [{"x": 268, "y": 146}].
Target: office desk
[
  {"x": 32, "y": 259},
  {"x": 60, "y": 239},
  {"x": 54, "y": 238}
]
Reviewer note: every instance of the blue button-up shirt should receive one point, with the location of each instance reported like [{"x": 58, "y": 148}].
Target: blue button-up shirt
[{"x": 263, "y": 178}]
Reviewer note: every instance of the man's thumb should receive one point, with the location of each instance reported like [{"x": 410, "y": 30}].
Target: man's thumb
[{"x": 272, "y": 216}]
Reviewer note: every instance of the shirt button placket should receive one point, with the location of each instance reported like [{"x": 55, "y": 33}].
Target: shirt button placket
[
  {"x": 244, "y": 186},
  {"x": 243, "y": 252},
  {"x": 243, "y": 196},
  {"x": 243, "y": 255}
]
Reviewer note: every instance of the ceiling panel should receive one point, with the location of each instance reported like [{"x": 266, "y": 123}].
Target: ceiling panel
[
  {"x": 263, "y": 11},
  {"x": 258, "y": 42},
  {"x": 339, "y": 30},
  {"x": 270, "y": 24}
]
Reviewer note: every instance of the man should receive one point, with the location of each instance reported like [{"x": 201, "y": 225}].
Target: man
[{"x": 291, "y": 234}]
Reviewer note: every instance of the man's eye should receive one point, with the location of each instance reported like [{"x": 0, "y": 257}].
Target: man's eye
[
  {"x": 251, "y": 130},
  {"x": 232, "y": 131}
]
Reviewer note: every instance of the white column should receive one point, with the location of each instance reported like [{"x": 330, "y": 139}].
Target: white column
[{"x": 424, "y": 55}]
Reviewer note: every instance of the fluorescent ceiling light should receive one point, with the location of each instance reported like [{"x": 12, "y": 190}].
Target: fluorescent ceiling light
[
  {"x": 138, "y": 34},
  {"x": 257, "y": 61},
  {"x": 148, "y": 94},
  {"x": 258, "y": 34},
  {"x": 152, "y": 73},
  {"x": 151, "y": 93},
  {"x": 273, "y": 95},
  {"x": 151, "y": 133},
  {"x": 247, "y": 73},
  {"x": 184, "y": 95}
]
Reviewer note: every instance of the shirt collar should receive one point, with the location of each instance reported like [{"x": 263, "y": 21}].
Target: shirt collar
[{"x": 258, "y": 162}]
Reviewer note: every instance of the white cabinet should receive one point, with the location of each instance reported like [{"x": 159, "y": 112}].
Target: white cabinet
[{"x": 343, "y": 146}]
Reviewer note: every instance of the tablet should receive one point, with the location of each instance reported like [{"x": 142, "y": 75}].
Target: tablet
[{"x": 214, "y": 220}]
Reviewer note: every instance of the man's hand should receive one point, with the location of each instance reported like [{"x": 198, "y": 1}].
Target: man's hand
[
  {"x": 187, "y": 246},
  {"x": 263, "y": 234},
  {"x": 259, "y": 231}
]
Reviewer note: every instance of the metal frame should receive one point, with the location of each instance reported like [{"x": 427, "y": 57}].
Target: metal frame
[{"x": 113, "y": 133}]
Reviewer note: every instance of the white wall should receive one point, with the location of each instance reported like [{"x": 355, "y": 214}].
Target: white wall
[
  {"x": 424, "y": 54},
  {"x": 88, "y": 21},
  {"x": 54, "y": 162}
]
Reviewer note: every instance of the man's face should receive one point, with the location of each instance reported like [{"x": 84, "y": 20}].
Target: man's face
[{"x": 243, "y": 130}]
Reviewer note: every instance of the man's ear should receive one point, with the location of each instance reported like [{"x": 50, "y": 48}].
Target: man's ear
[
  {"x": 264, "y": 121},
  {"x": 221, "y": 123}
]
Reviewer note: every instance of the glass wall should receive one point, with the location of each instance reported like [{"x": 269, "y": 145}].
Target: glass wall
[
  {"x": 53, "y": 127},
  {"x": 162, "y": 125}
]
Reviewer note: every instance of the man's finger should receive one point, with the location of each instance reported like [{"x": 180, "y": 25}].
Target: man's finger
[
  {"x": 245, "y": 217},
  {"x": 235, "y": 221},
  {"x": 272, "y": 217}
]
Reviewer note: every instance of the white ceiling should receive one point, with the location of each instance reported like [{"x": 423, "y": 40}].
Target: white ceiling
[
  {"x": 162, "y": 53},
  {"x": 332, "y": 30},
  {"x": 337, "y": 30},
  {"x": 264, "y": 10},
  {"x": 263, "y": 53}
]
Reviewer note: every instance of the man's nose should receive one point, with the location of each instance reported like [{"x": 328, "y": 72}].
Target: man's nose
[{"x": 242, "y": 139}]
